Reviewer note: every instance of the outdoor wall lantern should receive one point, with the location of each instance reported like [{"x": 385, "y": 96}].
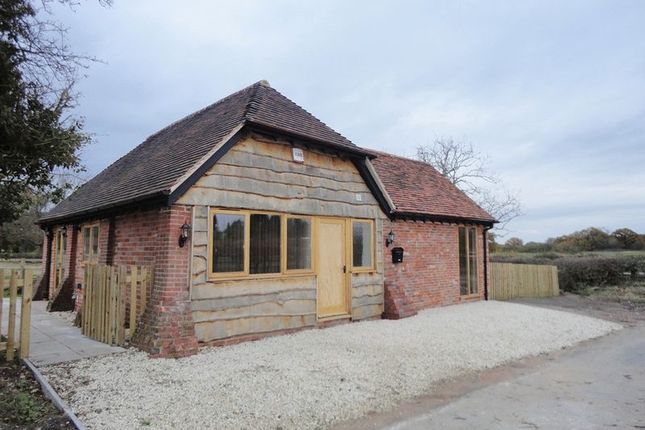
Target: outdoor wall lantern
[
  {"x": 64, "y": 230},
  {"x": 390, "y": 239},
  {"x": 183, "y": 236}
]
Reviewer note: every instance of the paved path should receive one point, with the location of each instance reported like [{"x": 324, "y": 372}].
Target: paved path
[
  {"x": 54, "y": 340},
  {"x": 598, "y": 384}
]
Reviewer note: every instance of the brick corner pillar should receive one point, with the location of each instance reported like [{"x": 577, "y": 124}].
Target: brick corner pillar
[
  {"x": 397, "y": 304},
  {"x": 167, "y": 328}
]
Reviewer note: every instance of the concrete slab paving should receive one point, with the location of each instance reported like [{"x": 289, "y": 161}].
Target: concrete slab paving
[{"x": 53, "y": 340}]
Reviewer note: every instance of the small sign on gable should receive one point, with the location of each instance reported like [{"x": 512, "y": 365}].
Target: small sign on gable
[{"x": 298, "y": 155}]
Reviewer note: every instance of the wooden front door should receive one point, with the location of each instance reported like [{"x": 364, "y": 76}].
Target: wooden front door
[{"x": 333, "y": 298}]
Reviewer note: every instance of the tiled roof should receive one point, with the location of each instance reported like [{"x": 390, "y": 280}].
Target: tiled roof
[
  {"x": 416, "y": 187},
  {"x": 156, "y": 165}
]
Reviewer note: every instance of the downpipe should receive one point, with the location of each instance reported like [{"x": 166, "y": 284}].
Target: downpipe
[{"x": 485, "y": 236}]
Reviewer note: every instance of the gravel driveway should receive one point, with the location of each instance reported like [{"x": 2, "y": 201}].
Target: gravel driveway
[{"x": 313, "y": 378}]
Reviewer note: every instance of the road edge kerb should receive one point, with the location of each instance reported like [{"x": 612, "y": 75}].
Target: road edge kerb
[{"x": 51, "y": 394}]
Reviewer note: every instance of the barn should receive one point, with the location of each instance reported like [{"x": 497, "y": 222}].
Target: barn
[{"x": 255, "y": 219}]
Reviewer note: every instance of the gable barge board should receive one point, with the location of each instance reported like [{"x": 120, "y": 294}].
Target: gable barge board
[
  {"x": 205, "y": 167},
  {"x": 319, "y": 144}
]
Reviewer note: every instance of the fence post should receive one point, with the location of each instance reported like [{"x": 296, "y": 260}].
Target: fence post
[
  {"x": 25, "y": 312},
  {"x": 1, "y": 295},
  {"x": 133, "y": 299},
  {"x": 11, "y": 328}
]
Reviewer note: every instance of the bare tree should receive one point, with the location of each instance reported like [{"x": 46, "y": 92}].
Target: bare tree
[{"x": 469, "y": 170}]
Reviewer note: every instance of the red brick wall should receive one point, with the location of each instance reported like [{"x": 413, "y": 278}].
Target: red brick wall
[
  {"x": 134, "y": 241},
  {"x": 146, "y": 238},
  {"x": 429, "y": 273},
  {"x": 167, "y": 328}
]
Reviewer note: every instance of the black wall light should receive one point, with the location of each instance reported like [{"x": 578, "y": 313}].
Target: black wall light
[
  {"x": 390, "y": 239},
  {"x": 183, "y": 236}
]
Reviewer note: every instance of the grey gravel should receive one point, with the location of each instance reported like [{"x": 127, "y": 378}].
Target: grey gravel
[{"x": 314, "y": 378}]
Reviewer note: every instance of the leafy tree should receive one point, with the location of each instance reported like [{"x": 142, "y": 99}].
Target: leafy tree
[
  {"x": 39, "y": 136},
  {"x": 625, "y": 237},
  {"x": 514, "y": 244},
  {"x": 590, "y": 239},
  {"x": 536, "y": 247},
  {"x": 23, "y": 236},
  {"x": 469, "y": 171}
]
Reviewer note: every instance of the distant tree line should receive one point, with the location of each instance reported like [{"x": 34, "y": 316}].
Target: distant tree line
[{"x": 589, "y": 239}]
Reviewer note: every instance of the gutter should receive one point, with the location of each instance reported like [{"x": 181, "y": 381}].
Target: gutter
[
  {"x": 155, "y": 198},
  {"x": 449, "y": 219}
]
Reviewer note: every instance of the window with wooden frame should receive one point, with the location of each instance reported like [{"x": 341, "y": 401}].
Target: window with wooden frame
[
  {"x": 299, "y": 240},
  {"x": 362, "y": 245},
  {"x": 91, "y": 243},
  {"x": 468, "y": 279},
  {"x": 250, "y": 243}
]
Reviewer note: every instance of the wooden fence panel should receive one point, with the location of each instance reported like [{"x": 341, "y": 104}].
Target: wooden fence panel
[
  {"x": 509, "y": 281},
  {"x": 23, "y": 279},
  {"x": 109, "y": 290}
]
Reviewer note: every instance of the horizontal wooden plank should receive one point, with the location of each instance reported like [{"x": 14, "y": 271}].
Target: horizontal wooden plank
[
  {"x": 360, "y": 279},
  {"x": 249, "y": 300},
  {"x": 376, "y": 299},
  {"x": 307, "y": 206},
  {"x": 280, "y": 191},
  {"x": 367, "y": 311},
  {"x": 367, "y": 290},
  {"x": 243, "y": 287},
  {"x": 283, "y": 152},
  {"x": 212, "y": 330},
  {"x": 356, "y": 184},
  {"x": 268, "y": 308}
]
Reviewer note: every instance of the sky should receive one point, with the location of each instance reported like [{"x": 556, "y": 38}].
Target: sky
[{"x": 552, "y": 92}]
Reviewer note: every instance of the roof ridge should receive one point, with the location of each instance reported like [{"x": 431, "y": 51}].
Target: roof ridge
[
  {"x": 303, "y": 109},
  {"x": 253, "y": 104},
  {"x": 202, "y": 110},
  {"x": 404, "y": 158}
]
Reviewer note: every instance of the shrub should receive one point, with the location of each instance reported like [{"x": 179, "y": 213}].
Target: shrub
[{"x": 575, "y": 273}]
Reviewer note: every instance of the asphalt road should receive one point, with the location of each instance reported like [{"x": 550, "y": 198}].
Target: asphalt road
[{"x": 598, "y": 384}]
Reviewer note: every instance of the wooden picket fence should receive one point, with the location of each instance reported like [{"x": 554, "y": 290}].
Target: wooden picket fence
[
  {"x": 510, "y": 281},
  {"x": 12, "y": 281},
  {"x": 114, "y": 299}
]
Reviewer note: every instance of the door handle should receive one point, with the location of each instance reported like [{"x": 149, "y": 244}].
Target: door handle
[{"x": 344, "y": 269}]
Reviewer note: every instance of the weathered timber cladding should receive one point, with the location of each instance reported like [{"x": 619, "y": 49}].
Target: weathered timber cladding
[
  {"x": 258, "y": 175},
  {"x": 270, "y": 184}
]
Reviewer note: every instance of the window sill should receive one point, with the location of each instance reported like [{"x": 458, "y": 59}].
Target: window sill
[
  {"x": 245, "y": 277},
  {"x": 363, "y": 270}
]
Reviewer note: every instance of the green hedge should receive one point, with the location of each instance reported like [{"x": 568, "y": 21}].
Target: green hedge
[{"x": 575, "y": 273}]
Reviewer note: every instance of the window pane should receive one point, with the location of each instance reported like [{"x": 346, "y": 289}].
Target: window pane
[
  {"x": 86, "y": 243},
  {"x": 361, "y": 244},
  {"x": 265, "y": 244},
  {"x": 298, "y": 243},
  {"x": 228, "y": 243},
  {"x": 95, "y": 242},
  {"x": 463, "y": 262},
  {"x": 472, "y": 259}
]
